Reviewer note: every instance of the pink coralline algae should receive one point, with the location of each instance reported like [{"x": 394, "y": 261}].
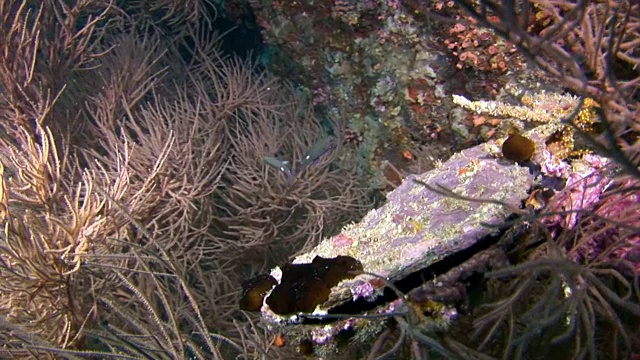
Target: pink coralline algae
[
  {"x": 624, "y": 209},
  {"x": 342, "y": 241},
  {"x": 553, "y": 166},
  {"x": 584, "y": 187},
  {"x": 603, "y": 207},
  {"x": 363, "y": 289}
]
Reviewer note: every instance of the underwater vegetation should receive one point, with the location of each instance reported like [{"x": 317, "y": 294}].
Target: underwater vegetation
[
  {"x": 301, "y": 287},
  {"x": 134, "y": 193},
  {"x": 569, "y": 284},
  {"x": 554, "y": 301},
  {"x": 518, "y": 148},
  {"x": 146, "y": 174}
]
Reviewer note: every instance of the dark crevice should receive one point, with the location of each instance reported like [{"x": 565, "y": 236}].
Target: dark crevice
[{"x": 406, "y": 284}]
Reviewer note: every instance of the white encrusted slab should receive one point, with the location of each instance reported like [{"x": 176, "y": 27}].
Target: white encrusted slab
[{"x": 418, "y": 227}]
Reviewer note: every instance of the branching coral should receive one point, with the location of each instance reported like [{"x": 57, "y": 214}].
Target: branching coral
[
  {"x": 540, "y": 108},
  {"x": 555, "y": 300},
  {"x": 117, "y": 199},
  {"x": 289, "y": 212},
  {"x": 40, "y": 51}
]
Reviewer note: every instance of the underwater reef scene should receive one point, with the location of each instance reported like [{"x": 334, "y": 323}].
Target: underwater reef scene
[{"x": 319, "y": 179}]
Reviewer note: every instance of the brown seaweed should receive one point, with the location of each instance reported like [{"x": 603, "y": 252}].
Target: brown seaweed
[
  {"x": 305, "y": 286},
  {"x": 518, "y": 148},
  {"x": 254, "y": 290}
]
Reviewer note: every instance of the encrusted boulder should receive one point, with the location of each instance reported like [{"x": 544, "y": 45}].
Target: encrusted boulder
[
  {"x": 419, "y": 226},
  {"x": 426, "y": 219}
]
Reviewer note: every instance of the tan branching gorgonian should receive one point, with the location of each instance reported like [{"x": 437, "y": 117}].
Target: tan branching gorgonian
[
  {"x": 20, "y": 93},
  {"x": 50, "y": 225},
  {"x": 179, "y": 13},
  {"x": 263, "y": 207},
  {"x": 42, "y": 46},
  {"x": 170, "y": 154},
  {"x": 155, "y": 323},
  {"x": 134, "y": 184}
]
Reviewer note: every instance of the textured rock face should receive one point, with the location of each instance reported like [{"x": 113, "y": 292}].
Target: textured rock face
[{"x": 418, "y": 226}]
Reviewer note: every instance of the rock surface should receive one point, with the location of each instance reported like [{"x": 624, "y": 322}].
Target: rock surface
[{"x": 418, "y": 226}]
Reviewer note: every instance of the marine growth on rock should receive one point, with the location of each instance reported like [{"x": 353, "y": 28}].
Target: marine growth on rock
[{"x": 302, "y": 287}]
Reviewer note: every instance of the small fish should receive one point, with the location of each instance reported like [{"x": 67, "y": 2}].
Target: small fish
[
  {"x": 316, "y": 151},
  {"x": 282, "y": 166}
]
